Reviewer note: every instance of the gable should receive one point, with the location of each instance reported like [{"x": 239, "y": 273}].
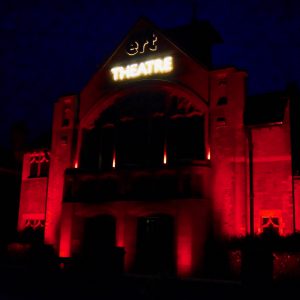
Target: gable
[{"x": 144, "y": 55}]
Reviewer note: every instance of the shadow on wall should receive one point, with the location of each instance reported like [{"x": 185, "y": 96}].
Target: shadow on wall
[
  {"x": 253, "y": 264},
  {"x": 216, "y": 260}
]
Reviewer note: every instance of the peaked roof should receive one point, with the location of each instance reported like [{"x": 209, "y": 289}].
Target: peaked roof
[
  {"x": 142, "y": 29},
  {"x": 194, "y": 39}
]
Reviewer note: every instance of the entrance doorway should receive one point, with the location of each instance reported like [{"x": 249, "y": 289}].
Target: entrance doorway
[{"x": 155, "y": 245}]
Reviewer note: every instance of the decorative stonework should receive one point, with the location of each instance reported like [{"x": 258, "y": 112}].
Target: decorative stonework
[
  {"x": 34, "y": 223},
  {"x": 39, "y": 164}
]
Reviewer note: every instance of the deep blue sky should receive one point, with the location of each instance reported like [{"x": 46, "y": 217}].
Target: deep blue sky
[{"x": 51, "y": 48}]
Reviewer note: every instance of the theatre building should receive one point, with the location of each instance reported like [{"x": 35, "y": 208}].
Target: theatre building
[{"x": 158, "y": 152}]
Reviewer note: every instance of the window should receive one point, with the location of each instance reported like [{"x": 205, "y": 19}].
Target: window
[
  {"x": 34, "y": 168},
  {"x": 221, "y": 121},
  {"x": 145, "y": 130},
  {"x": 44, "y": 168},
  {"x": 34, "y": 223},
  {"x": 222, "y": 101},
  {"x": 39, "y": 165},
  {"x": 185, "y": 139},
  {"x": 66, "y": 115},
  {"x": 90, "y": 152},
  {"x": 132, "y": 146},
  {"x": 270, "y": 225},
  {"x": 33, "y": 231},
  {"x": 65, "y": 122}
]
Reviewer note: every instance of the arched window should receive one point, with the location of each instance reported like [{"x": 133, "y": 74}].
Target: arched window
[
  {"x": 145, "y": 130},
  {"x": 66, "y": 115},
  {"x": 270, "y": 225},
  {"x": 132, "y": 142},
  {"x": 222, "y": 101},
  {"x": 90, "y": 155},
  {"x": 39, "y": 165},
  {"x": 185, "y": 139},
  {"x": 33, "y": 169},
  {"x": 33, "y": 231},
  {"x": 44, "y": 168}
]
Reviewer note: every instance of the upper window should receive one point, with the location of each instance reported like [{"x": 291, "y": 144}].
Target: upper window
[
  {"x": 33, "y": 231},
  {"x": 66, "y": 115},
  {"x": 185, "y": 139},
  {"x": 222, "y": 101},
  {"x": 39, "y": 165},
  {"x": 270, "y": 225},
  {"x": 145, "y": 130}
]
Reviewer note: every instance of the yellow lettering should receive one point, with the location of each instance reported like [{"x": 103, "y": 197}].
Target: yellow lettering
[
  {"x": 168, "y": 63},
  {"x": 142, "y": 69}
]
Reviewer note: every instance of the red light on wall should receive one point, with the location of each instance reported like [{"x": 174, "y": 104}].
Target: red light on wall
[
  {"x": 120, "y": 233},
  {"x": 76, "y": 165},
  {"x": 184, "y": 259},
  {"x": 208, "y": 154},
  {"x": 270, "y": 220},
  {"x": 184, "y": 247},
  {"x": 65, "y": 248},
  {"x": 66, "y": 231}
]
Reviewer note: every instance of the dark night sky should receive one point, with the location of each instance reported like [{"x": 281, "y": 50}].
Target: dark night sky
[{"x": 51, "y": 48}]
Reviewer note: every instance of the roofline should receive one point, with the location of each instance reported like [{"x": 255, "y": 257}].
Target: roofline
[
  {"x": 161, "y": 31},
  {"x": 279, "y": 123},
  {"x": 228, "y": 70}
]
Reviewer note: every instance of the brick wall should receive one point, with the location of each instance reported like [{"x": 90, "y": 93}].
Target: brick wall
[{"x": 272, "y": 174}]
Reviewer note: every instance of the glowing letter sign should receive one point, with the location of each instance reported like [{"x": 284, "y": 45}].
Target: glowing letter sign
[
  {"x": 137, "y": 47},
  {"x": 143, "y": 69}
]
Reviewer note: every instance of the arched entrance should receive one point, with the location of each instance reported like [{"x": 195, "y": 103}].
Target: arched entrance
[{"x": 155, "y": 245}]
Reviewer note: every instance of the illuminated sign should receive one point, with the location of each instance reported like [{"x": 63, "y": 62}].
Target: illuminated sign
[
  {"x": 143, "y": 69},
  {"x": 139, "y": 47}
]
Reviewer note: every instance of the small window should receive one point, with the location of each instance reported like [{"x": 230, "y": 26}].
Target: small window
[
  {"x": 34, "y": 223},
  {"x": 33, "y": 231},
  {"x": 270, "y": 225},
  {"x": 65, "y": 122},
  {"x": 221, "y": 120},
  {"x": 66, "y": 116},
  {"x": 182, "y": 144},
  {"x": 222, "y": 101},
  {"x": 33, "y": 169},
  {"x": 132, "y": 145},
  {"x": 44, "y": 168},
  {"x": 39, "y": 165}
]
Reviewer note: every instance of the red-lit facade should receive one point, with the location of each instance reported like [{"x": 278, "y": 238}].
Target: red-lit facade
[{"x": 155, "y": 159}]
